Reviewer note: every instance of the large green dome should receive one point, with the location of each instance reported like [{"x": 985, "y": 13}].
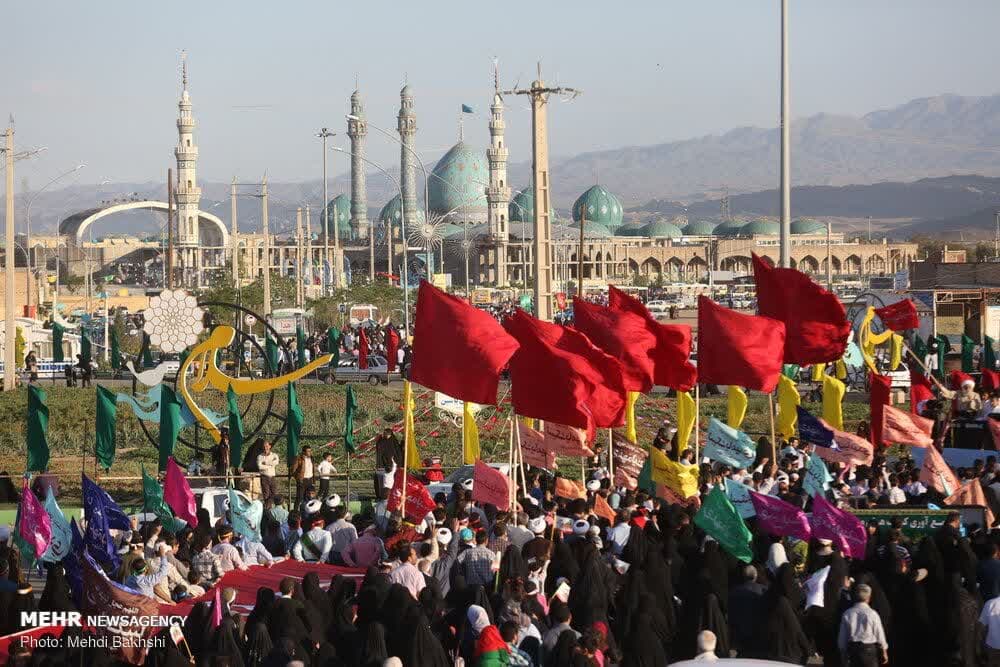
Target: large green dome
[
  {"x": 338, "y": 210},
  {"x": 699, "y": 228},
  {"x": 761, "y": 228},
  {"x": 591, "y": 230},
  {"x": 522, "y": 207},
  {"x": 633, "y": 228},
  {"x": 729, "y": 228},
  {"x": 807, "y": 226},
  {"x": 661, "y": 229},
  {"x": 392, "y": 214},
  {"x": 457, "y": 185},
  {"x": 600, "y": 206}
]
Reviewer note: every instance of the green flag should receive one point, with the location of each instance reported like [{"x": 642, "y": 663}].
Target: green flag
[
  {"x": 146, "y": 353},
  {"x": 968, "y": 346},
  {"x": 333, "y": 345},
  {"x": 107, "y": 412},
  {"x": 919, "y": 348},
  {"x": 719, "y": 518},
  {"x": 944, "y": 347},
  {"x": 85, "y": 353},
  {"x": 152, "y": 501},
  {"x": 300, "y": 346},
  {"x": 170, "y": 423},
  {"x": 271, "y": 351},
  {"x": 38, "y": 428},
  {"x": 57, "y": 342},
  {"x": 988, "y": 359},
  {"x": 645, "y": 480},
  {"x": 351, "y": 404},
  {"x": 791, "y": 371},
  {"x": 235, "y": 429},
  {"x": 116, "y": 352},
  {"x": 294, "y": 424}
]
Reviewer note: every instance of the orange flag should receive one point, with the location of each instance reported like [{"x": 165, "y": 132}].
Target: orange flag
[
  {"x": 971, "y": 494},
  {"x": 905, "y": 428},
  {"x": 936, "y": 474},
  {"x": 568, "y": 488},
  {"x": 603, "y": 509}
]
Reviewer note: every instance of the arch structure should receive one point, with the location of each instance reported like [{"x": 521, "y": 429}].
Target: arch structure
[{"x": 211, "y": 235}]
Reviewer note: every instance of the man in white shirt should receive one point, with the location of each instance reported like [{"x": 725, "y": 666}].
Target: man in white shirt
[
  {"x": 406, "y": 573},
  {"x": 267, "y": 464},
  {"x": 896, "y": 495},
  {"x": 228, "y": 556},
  {"x": 862, "y": 638},
  {"x": 706, "y": 646},
  {"x": 342, "y": 532},
  {"x": 324, "y": 470},
  {"x": 253, "y": 553},
  {"x": 314, "y": 546},
  {"x": 989, "y": 618}
]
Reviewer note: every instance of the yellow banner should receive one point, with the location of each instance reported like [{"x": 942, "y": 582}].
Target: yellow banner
[
  {"x": 630, "y": 431},
  {"x": 685, "y": 418},
  {"x": 409, "y": 434},
  {"x": 833, "y": 396},
  {"x": 736, "y": 408},
  {"x": 788, "y": 400},
  {"x": 682, "y": 479},
  {"x": 470, "y": 436}
]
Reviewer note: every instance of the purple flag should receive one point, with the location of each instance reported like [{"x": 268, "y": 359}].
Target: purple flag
[
  {"x": 843, "y": 528},
  {"x": 780, "y": 518},
  {"x": 35, "y": 526}
]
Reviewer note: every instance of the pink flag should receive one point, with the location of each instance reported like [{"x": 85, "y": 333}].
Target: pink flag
[
  {"x": 35, "y": 526},
  {"x": 904, "y": 428},
  {"x": 489, "y": 485},
  {"x": 217, "y": 608},
  {"x": 177, "y": 493},
  {"x": 566, "y": 440},
  {"x": 533, "y": 448},
  {"x": 780, "y": 518},
  {"x": 842, "y": 528},
  {"x": 936, "y": 474},
  {"x": 622, "y": 478},
  {"x": 851, "y": 449},
  {"x": 972, "y": 494}
]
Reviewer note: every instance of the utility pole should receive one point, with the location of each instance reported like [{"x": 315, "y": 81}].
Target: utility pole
[
  {"x": 8, "y": 268},
  {"x": 309, "y": 246},
  {"x": 267, "y": 248},
  {"x": 333, "y": 277},
  {"x": 786, "y": 153},
  {"x": 829, "y": 259},
  {"x": 170, "y": 229},
  {"x": 299, "y": 287},
  {"x": 540, "y": 171},
  {"x": 235, "y": 234}
]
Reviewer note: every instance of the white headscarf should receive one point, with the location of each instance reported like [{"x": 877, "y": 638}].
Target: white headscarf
[
  {"x": 478, "y": 618},
  {"x": 776, "y": 557}
]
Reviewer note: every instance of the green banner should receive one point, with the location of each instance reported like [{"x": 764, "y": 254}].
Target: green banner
[
  {"x": 37, "y": 431},
  {"x": 57, "y": 342},
  {"x": 235, "y": 429},
  {"x": 294, "y": 425},
  {"x": 107, "y": 412},
  {"x": 351, "y": 404},
  {"x": 916, "y": 522},
  {"x": 170, "y": 423}
]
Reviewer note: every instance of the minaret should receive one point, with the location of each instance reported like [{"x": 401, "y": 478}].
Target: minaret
[
  {"x": 357, "y": 130},
  {"x": 498, "y": 191},
  {"x": 187, "y": 194},
  {"x": 407, "y": 126}
]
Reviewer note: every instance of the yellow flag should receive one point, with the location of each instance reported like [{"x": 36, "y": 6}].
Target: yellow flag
[
  {"x": 895, "y": 351},
  {"x": 788, "y": 399},
  {"x": 685, "y": 418},
  {"x": 869, "y": 340},
  {"x": 737, "y": 406},
  {"x": 409, "y": 434},
  {"x": 528, "y": 421},
  {"x": 470, "y": 436},
  {"x": 833, "y": 395},
  {"x": 681, "y": 478},
  {"x": 817, "y": 372},
  {"x": 841, "y": 369},
  {"x": 630, "y": 432}
]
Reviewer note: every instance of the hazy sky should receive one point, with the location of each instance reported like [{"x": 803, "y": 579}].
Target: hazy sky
[{"x": 98, "y": 81}]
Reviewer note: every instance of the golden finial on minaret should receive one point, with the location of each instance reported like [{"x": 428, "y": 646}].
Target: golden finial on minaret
[{"x": 184, "y": 69}]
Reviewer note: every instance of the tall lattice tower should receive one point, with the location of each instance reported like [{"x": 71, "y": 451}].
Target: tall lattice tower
[
  {"x": 357, "y": 130},
  {"x": 498, "y": 190},
  {"x": 187, "y": 194}
]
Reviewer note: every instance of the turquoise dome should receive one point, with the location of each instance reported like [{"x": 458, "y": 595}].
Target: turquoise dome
[
  {"x": 449, "y": 230},
  {"x": 729, "y": 228},
  {"x": 761, "y": 228},
  {"x": 600, "y": 206},
  {"x": 456, "y": 185},
  {"x": 522, "y": 207},
  {"x": 633, "y": 228},
  {"x": 591, "y": 230},
  {"x": 807, "y": 226},
  {"x": 338, "y": 210},
  {"x": 392, "y": 212},
  {"x": 661, "y": 229},
  {"x": 699, "y": 228}
]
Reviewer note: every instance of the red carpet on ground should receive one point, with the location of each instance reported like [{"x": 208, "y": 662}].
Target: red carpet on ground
[{"x": 245, "y": 582}]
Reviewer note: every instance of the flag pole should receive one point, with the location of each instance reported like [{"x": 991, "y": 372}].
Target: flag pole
[
  {"x": 770, "y": 413},
  {"x": 407, "y": 397},
  {"x": 515, "y": 452},
  {"x": 611, "y": 455},
  {"x": 922, "y": 366},
  {"x": 697, "y": 420}
]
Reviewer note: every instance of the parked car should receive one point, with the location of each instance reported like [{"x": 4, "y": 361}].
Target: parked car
[
  {"x": 215, "y": 499},
  {"x": 347, "y": 371},
  {"x": 658, "y": 307}
]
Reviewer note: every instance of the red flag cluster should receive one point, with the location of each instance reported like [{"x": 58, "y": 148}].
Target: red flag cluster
[
  {"x": 738, "y": 349},
  {"x": 899, "y": 316}
]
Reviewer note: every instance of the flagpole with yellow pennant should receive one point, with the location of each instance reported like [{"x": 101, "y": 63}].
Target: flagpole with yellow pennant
[
  {"x": 697, "y": 420},
  {"x": 411, "y": 456},
  {"x": 470, "y": 436},
  {"x": 630, "y": 431},
  {"x": 774, "y": 442},
  {"x": 788, "y": 400},
  {"x": 736, "y": 407},
  {"x": 833, "y": 396},
  {"x": 685, "y": 419}
]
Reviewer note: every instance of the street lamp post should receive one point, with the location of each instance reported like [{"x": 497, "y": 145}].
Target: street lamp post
[{"x": 402, "y": 223}]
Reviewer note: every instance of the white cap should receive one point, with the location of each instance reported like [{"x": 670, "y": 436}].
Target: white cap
[
  {"x": 599, "y": 475},
  {"x": 467, "y": 484},
  {"x": 333, "y": 501},
  {"x": 313, "y": 506},
  {"x": 621, "y": 567},
  {"x": 537, "y": 525},
  {"x": 581, "y": 526},
  {"x": 968, "y": 381},
  {"x": 593, "y": 485},
  {"x": 648, "y": 505},
  {"x": 444, "y": 536},
  {"x": 825, "y": 543}
]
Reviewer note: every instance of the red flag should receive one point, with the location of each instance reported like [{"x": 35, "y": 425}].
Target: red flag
[
  {"x": 177, "y": 494},
  {"x": 457, "y": 349},
  {"x": 558, "y": 375},
  {"x": 920, "y": 390},
  {"x": 971, "y": 493},
  {"x": 905, "y": 428},
  {"x": 899, "y": 316},
  {"x": 878, "y": 397},
  {"x": 363, "y": 350},
  {"x": 935, "y": 473},
  {"x": 816, "y": 326},
  {"x": 131, "y": 636},
  {"x": 391, "y": 347},
  {"x": 671, "y": 366},
  {"x": 603, "y": 509},
  {"x": 737, "y": 349},
  {"x": 489, "y": 485},
  {"x": 418, "y": 498},
  {"x": 568, "y": 488},
  {"x": 622, "y": 334},
  {"x": 533, "y": 447},
  {"x": 990, "y": 380}
]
